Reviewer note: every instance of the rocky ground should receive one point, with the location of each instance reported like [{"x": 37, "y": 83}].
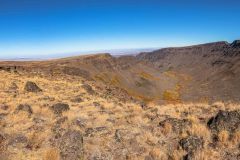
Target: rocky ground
[{"x": 68, "y": 118}]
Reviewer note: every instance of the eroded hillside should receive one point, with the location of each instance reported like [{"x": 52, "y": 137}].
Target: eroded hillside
[
  {"x": 201, "y": 73},
  {"x": 175, "y": 103}
]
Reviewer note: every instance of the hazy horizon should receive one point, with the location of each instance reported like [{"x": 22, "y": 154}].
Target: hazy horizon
[{"x": 47, "y": 28}]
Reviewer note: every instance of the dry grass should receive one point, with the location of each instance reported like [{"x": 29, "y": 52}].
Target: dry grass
[
  {"x": 51, "y": 154},
  {"x": 223, "y": 137},
  {"x": 139, "y": 129}
]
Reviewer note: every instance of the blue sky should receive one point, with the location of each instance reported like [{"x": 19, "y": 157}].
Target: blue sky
[{"x": 30, "y": 28}]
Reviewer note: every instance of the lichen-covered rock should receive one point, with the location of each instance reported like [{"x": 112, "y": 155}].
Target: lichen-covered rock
[
  {"x": 25, "y": 108},
  {"x": 191, "y": 143},
  {"x": 225, "y": 120},
  {"x": 71, "y": 145},
  {"x": 32, "y": 87},
  {"x": 59, "y": 108}
]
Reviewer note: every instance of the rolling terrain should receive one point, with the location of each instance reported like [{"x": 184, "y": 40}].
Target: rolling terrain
[
  {"x": 172, "y": 103},
  {"x": 208, "y": 72}
]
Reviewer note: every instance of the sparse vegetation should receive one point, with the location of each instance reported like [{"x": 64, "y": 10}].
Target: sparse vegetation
[{"x": 100, "y": 108}]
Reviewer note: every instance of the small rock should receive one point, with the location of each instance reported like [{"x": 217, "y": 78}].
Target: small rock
[
  {"x": 2, "y": 138},
  {"x": 61, "y": 120},
  {"x": 191, "y": 143},
  {"x": 143, "y": 105},
  {"x": 13, "y": 87},
  {"x": 80, "y": 122},
  {"x": 77, "y": 99},
  {"x": 71, "y": 145},
  {"x": 98, "y": 105},
  {"x": 2, "y": 143},
  {"x": 38, "y": 120},
  {"x": 89, "y": 132},
  {"x": 59, "y": 108},
  {"x": 225, "y": 120},
  {"x": 88, "y": 89},
  {"x": 118, "y": 137},
  {"x": 3, "y": 115},
  {"x": 24, "y": 107},
  {"x": 32, "y": 87},
  {"x": 18, "y": 139}
]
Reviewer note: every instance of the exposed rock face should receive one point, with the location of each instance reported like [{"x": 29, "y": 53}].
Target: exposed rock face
[
  {"x": 32, "y": 87},
  {"x": 236, "y": 44},
  {"x": 177, "y": 125},
  {"x": 59, "y": 108},
  {"x": 25, "y": 108},
  {"x": 191, "y": 143},
  {"x": 71, "y": 146},
  {"x": 225, "y": 120}
]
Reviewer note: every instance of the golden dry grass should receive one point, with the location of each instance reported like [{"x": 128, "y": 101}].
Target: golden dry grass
[{"x": 139, "y": 131}]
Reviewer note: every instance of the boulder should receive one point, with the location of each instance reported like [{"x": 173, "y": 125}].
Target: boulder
[
  {"x": 71, "y": 145},
  {"x": 225, "y": 120},
  {"x": 25, "y": 108},
  {"x": 32, "y": 87},
  {"x": 59, "y": 108},
  {"x": 191, "y": 143}
]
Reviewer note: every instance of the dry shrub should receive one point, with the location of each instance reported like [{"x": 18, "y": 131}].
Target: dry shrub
[
  {"x": 193, "y": 119},
  {"x": 36, "y": 139},
  {"x": 223, "y": 137},
  {"x": 176, "y": 154},
  {"x": 167, "y": 129},
  {"x": 150, "y": 139},
  {"x": 236, "y": 138},
  {"x": 200, "y": 130},
  {"x": 52, "y": 154},
  {"x": 219, "y": 105},
  {"x": 207, "y": 154},
  {"x": 157, "y": 153}
]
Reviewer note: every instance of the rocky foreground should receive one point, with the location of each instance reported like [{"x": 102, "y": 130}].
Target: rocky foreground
[{"x": 68, "y": 118}]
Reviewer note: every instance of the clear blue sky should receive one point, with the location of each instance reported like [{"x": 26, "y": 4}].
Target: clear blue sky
[{"x": 43, "y": 27}]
